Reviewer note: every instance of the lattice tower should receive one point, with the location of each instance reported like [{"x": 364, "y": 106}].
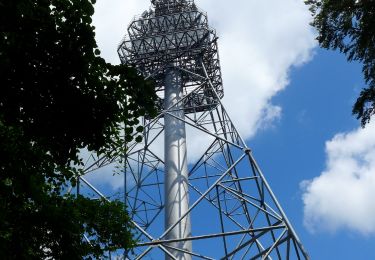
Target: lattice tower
[{"x": 219, "y": 206}]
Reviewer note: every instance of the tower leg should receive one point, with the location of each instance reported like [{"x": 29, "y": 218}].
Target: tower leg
[{"x": 176, "y": 172}]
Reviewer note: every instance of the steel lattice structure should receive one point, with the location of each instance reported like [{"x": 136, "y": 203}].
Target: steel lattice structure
[
  {"x": 177, "y": 34},
  {"x": 233, "y": 211}
]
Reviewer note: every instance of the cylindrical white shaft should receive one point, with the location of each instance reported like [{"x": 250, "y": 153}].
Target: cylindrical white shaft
[{"x": 176, "y": 172}]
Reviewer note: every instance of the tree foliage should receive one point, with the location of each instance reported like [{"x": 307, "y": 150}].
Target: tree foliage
[
  {"x": 348, "y": 25},
  {"x": 57, "y": 96}
]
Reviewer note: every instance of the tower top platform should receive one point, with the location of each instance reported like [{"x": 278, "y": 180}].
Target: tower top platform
[
  {"x": 163, "y": 7},
  {"x": 175, "y": 33}
]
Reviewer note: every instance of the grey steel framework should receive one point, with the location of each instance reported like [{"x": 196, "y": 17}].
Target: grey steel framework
[
  {"x": 232, "y": 209},
  {"x": 176, "y": 34}
]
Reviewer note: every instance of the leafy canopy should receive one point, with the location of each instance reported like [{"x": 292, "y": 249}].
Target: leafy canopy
[
  {"x": 57, "y": 96},
  {"x": 349, "y": 26}
]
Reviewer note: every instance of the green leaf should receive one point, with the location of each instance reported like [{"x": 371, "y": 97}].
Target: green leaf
[
  {"x": 139, "y": 139},
  {"x": 140, "y": 129}
]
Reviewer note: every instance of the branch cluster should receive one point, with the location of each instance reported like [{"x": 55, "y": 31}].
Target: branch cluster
[
  {"x": 57, "y": 96},
  {"x": 348, "y": 25}
]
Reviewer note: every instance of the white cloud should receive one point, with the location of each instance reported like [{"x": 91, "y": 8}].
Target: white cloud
[
  {"x": 259, "y": 42},
  {"x": 107, "y": 175},
  {"x": 343, "y": 195},
  {"x": 111, "y": 20}
]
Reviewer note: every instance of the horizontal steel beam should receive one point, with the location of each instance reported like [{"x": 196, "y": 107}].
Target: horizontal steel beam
[{"x": 233, "y": 233}]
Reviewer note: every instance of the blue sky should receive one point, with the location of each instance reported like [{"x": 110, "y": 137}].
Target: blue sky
[
  {"x": 295, "y": 113},
  {"x": 316, "y": 106}
]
